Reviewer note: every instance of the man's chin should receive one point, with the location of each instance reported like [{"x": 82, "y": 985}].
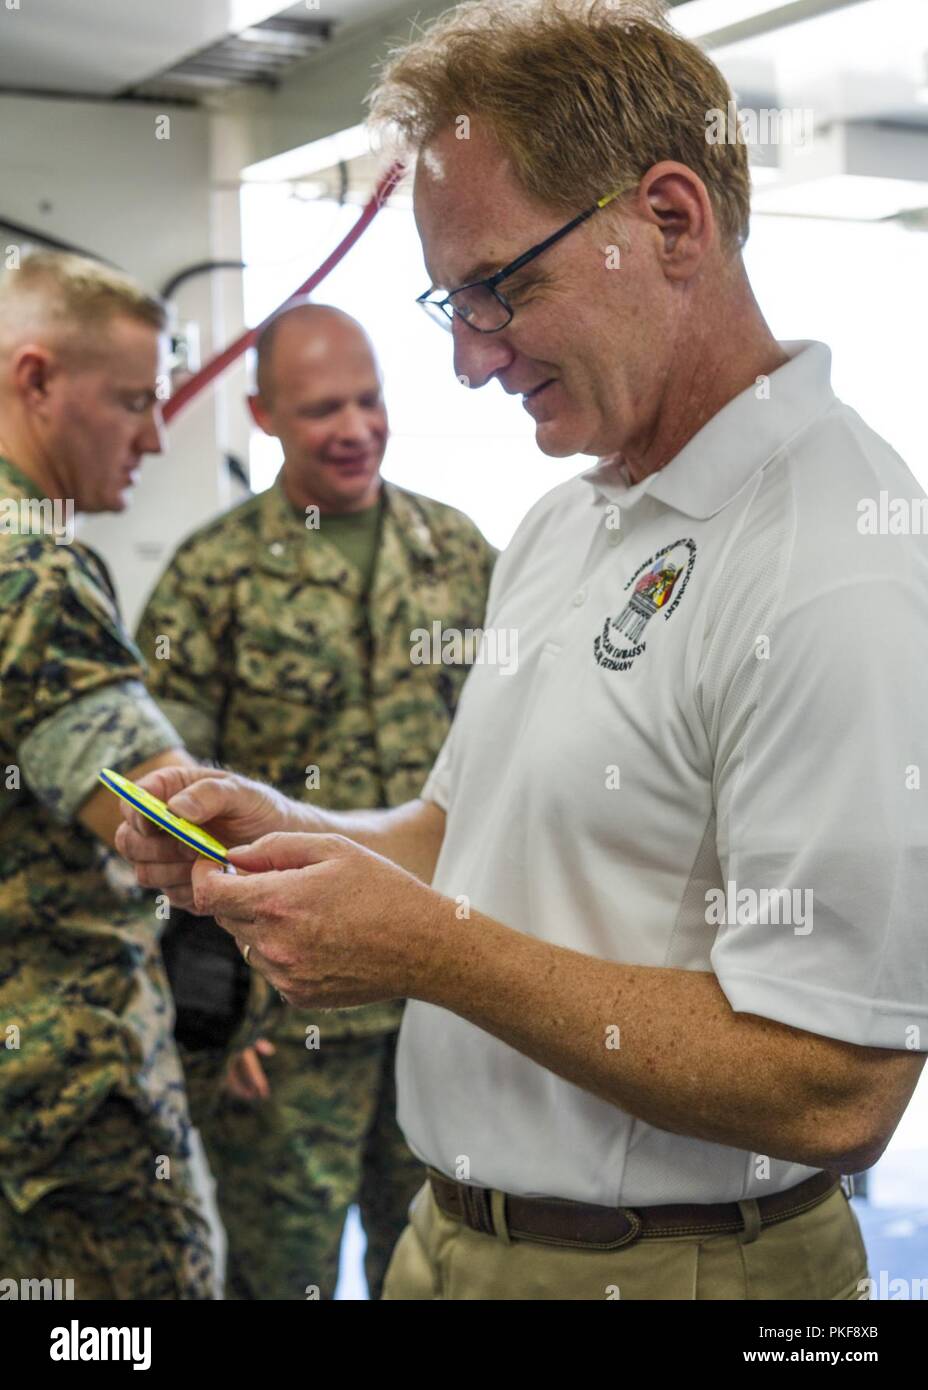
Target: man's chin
[
  {"x": 115, "y": 502},
  {"x": 555, "y": 440},
  {"x": 353, "y": 491}
]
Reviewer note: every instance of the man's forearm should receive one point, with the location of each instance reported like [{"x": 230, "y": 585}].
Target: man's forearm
[
  {"x": 410, "y": 835},
  {"x": 663, "y": 1044}
]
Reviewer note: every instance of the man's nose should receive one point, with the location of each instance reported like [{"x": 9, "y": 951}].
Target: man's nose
[
  {"x": 354, "y": 425},
  {"x": 478, "y": 356},
  {"x": 152, "y": 439}
]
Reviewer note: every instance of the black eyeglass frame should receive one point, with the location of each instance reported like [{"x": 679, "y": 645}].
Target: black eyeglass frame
[{"x": 490, "y": 283}]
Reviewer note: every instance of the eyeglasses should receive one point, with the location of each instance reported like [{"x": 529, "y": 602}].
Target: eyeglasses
[{"x": 480, "y": 305}]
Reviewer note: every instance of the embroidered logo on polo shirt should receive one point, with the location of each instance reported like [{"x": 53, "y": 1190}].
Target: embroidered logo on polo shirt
[{"x": 657, "y": 586}]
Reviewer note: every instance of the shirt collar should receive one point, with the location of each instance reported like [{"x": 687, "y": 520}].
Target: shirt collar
[
  {"x": 735, "y": 444},
  {"x": 285, "y": 537},
  {"x": 292, "y": 549},
  {"x": 14, "y": 481}
]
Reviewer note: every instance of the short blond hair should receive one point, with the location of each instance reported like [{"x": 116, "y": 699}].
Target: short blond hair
[
  {"x": 583, "y": 96},
  {"x": 68, "y": 296}
]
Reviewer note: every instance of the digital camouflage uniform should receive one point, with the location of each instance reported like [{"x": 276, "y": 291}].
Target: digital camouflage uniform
[
  {"x": 279, "y": 666},
  {"x": 94, "y": 1141}
]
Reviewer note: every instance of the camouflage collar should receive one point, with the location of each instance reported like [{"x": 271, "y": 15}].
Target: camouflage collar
[
  {"x": 15, "y": 483},
  {"x": 289, "y": 548},
  {"x": 284, "y": 536},
  {"x": 411, "y": 523}
]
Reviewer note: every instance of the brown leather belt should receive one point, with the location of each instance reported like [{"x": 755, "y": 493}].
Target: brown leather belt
[{"x": 554, "y": 1221}]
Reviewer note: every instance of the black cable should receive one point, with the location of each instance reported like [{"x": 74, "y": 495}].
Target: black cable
[
  {"x": 237, "y": 470},
  {"x": 58, "y": 244},
  {"x": 171, "y": 286},
  {"x": 54, "y": 242}
]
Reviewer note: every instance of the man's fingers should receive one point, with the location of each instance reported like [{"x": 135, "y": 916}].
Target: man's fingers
[
  {"x": 167, "y": 877},
  {"x": 209, "y": 798},
  {"x": 230, "y": 898},
  {"x": 255, "y": 1074},
  {"x": 236, "y": 1082},
  {"x": 245, "y": 1077},
  {"x": 285, "y": 850},
  {"x": 151, "y": 846},
  {"x": 166, "y": 782}
]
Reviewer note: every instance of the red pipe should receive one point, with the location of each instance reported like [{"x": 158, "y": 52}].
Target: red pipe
[{"x": 218, "y": 364}]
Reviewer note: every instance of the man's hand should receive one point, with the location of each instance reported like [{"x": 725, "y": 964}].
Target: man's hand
[
  {"x": 232, "y": 808},
  {"x": 244, "y": 1076},
  {"x": 330, "y": 924}
]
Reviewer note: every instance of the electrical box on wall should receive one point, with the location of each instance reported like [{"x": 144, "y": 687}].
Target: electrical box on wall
[{"x": 185, "y": 359}]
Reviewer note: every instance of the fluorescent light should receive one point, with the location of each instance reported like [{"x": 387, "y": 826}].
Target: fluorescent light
[
  {"x": 705, "y": 16},
  {"x": 296, "y": 164},
  {"x": 764, "y": 175},
  {"x": 850, "y": 197},
  {"x": 856, "y": 170},
  {"x": 244, "y": 13}
]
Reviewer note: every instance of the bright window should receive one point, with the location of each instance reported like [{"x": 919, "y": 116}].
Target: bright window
[{"x": 859, "y": 287}]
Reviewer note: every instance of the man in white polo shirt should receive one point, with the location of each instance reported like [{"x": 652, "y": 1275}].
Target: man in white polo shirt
[{"x": 669, "y": 978}]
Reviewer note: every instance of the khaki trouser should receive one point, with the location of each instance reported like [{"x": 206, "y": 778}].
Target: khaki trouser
[{"x": 817, "y": 1255}]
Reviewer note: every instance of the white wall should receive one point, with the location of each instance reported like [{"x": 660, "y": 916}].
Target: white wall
[{"x": 95, "y": 174}]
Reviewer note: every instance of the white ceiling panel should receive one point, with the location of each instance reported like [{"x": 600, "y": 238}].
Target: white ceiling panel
[{"x": 102, "y": 47}]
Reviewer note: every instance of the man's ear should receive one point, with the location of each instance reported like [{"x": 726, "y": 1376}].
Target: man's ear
[
  {"x": 30, "y": 372},
  {"x": 258, "y": 412},
  {"x": 674, "y": 199}
]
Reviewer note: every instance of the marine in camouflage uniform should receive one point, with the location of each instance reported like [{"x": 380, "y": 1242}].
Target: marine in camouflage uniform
[
  {"x": 281, "y": 667},
  {"x": 94, "y": 1146}
]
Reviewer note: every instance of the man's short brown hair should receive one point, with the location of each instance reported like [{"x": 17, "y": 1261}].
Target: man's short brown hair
[
  {"x": 65, "y": 297},
  {"x": 584, "y": 96}
]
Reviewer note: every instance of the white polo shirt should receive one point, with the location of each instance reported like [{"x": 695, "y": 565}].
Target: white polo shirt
[{"x": 720, "y": 700}]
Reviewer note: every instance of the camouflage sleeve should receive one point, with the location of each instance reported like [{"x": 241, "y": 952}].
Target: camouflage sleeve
[
  {"x": 66, "y": 1064},
  {"x": 180, "y": 635},
  {"x": 71, "y": 690}
]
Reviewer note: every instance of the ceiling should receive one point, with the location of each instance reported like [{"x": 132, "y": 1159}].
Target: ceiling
[
  {"x": 856, "y": 60},
  {"x": 847, "y": 58},
  {"x": 100, "y": 48}
]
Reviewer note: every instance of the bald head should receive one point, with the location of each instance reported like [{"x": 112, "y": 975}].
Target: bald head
[
  {"x": 301, "y": 336},
  {"x": 320, "y": 393}
]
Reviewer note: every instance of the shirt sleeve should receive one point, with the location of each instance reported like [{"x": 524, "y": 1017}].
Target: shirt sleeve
[
  {"x": 818, "y": 724},
  {"x": 181, "y": 636},
  {"x": 71, "y": 680},
  {"x": 437, "y": 786}
]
